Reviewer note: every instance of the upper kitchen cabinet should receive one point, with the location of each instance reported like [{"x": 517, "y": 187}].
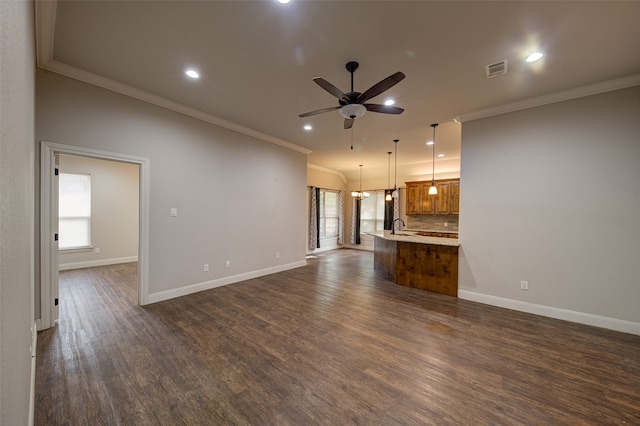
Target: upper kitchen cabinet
[
  {"x": 454, "y": 196},
  {"x": 447, "y": 201},
  {"x": 413, "y": 198}
]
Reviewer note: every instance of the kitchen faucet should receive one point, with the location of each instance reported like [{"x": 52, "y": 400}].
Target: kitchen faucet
[{"x": 393, "y": 225}]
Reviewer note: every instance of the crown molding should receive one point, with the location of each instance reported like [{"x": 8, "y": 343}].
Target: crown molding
[
  {"x": 45, "y": 20},
  {"x": 324, "y": 169},
  {"x": 565, "y": 95}
]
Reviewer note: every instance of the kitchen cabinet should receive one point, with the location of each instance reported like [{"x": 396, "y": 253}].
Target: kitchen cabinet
[
  {"x": 454, "y": 197},
  {"x": 447, "y": 201},
  {"x": 413, "y": 198}
]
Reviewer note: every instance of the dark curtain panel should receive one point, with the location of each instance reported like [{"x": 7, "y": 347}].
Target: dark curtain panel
[
  {"x": 318, "y": 219},
  {"x": 388, "y": 210},
  {"x": 358, "y": 220}
]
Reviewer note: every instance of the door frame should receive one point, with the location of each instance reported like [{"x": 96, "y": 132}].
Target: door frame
[{"x": 48, "y": 202}]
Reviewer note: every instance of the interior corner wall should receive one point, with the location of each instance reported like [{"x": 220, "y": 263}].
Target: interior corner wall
[
  {"x": 16, "y": 215},
  {"x": 238, "y": 199},
  {"x": 324, "y": 179},
  {"x": 114, "y": 212},
  {"x": 549, "y": 195}
]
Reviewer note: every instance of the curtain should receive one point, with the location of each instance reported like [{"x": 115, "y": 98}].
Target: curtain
[
  {"x": 396, "y": 210},
  {"x": 355, "y": 221},
  {"x": 388, "y": 210},
  {"x": 313, "y": 219},
  {"x": 317, "y": 219},
  {"x": 341, "y": 217}
]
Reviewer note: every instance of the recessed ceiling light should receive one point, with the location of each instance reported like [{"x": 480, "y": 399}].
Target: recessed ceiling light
[
  {"x": 192, "y": 73},
  {"x": 430, "y": 143},
  {"x": 283, "y": 1},
  {"x": 534, "y": 57},
  {"x": 389, "y": 102},
  {"x": 440, "y": 155},
  {"x": 308, "y": 127}
]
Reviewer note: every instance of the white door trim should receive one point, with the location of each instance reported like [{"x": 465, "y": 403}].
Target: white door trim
[{"x": 47, "y": 264}]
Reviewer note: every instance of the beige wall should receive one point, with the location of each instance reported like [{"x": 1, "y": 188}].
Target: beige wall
[
  {"x": 114, "y": 211},
  {"x": 550, "y": 195},
  {"x": 324, "y": 178},
  {"x": 16, "y": 212},
  {"x": 238, "y": 198}
]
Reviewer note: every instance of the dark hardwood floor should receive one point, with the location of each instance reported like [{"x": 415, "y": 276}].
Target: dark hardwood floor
[{"x": 331, "y": 343}]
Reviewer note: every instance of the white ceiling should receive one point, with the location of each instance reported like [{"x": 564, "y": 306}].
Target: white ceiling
[{"x": 257, "y": 60}]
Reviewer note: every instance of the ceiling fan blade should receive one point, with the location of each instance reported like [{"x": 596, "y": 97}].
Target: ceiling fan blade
[
  {"x": 318, "y": 111},
  {"x": 385, "y": 109},
  {"x": 380, "y": 87},
  {"x": 348, "y": 123},
  {"x": 330, "y": 88}
]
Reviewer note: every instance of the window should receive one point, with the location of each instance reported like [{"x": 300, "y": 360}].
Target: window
[
  {"x": 328, "y": 208},
  {"x": 74, "y": 211},
  {"x": 372, "y": 212}
]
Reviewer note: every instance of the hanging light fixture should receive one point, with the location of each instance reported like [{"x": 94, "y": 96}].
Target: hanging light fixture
[
  {"x": 359, "y": 194},
  {"x": 394, "y": 194},
  {"x": 387, "y": 197},
  {"x": 433, "y": 190}
]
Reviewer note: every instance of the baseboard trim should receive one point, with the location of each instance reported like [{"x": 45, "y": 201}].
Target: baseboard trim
[
  {"x": 358, "y": 247},
  {"x": 551, "y": 312},
  {"x": 208, "y": 285},
  {"x": 32, "y": 389},
  {"x": 321, "y": 249},
  {"x": 92, "y": 263}
]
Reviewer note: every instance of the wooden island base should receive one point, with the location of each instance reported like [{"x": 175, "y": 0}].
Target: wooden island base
[{"x": 429, "y": 267}]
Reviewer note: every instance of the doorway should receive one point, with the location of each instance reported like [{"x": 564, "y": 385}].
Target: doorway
[{"x": 49, "y": 263}]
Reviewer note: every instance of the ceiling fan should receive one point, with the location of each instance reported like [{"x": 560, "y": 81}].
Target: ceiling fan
[{"x": 352, "y": 104}]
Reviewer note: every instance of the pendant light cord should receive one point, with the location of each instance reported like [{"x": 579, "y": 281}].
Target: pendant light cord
[
  {"x": 389, "y": 170},
  {"x": 433, "y": 156},
  {"x": 395, "y": 167}
]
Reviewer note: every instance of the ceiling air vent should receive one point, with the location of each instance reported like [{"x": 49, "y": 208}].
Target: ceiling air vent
[{"x": 497, "y": 68}]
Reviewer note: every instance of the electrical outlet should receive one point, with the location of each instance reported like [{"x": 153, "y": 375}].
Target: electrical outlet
[
  {"x": 446, "y": 224},
  {"x": 206, "y": 267},
  {"x": 524, "y": 285},
  {"x": 278, "y": 255},
  {"x": 96, "y": 250},
  {"x": 228, "y": 264}
]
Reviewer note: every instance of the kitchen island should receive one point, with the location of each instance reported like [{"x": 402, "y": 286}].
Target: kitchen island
[{"x": 413, "y": 260}]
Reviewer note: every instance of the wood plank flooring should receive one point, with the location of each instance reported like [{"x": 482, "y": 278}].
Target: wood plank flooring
[{"x": 331, "y": 343}]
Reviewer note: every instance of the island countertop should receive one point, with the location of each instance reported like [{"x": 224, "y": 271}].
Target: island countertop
[
  {"x": 412, "y": 237},
  {"x": 427, "y": 263}
]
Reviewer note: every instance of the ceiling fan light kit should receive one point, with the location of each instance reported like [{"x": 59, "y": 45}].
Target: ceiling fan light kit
[
  {"x": 352, "y": 104},
  {"x": 352, "y": 111}
]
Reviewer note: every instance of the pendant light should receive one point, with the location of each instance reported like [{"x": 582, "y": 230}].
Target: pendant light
[
  {"x": 394, "y": 194},
  {"x": 359, "y": 194},
  {"x": 433, "y": 190},
  {"x": 387, "y": 197}
]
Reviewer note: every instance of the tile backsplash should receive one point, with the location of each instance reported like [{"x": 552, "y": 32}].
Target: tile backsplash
[{"x": 433, "y": 222}]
